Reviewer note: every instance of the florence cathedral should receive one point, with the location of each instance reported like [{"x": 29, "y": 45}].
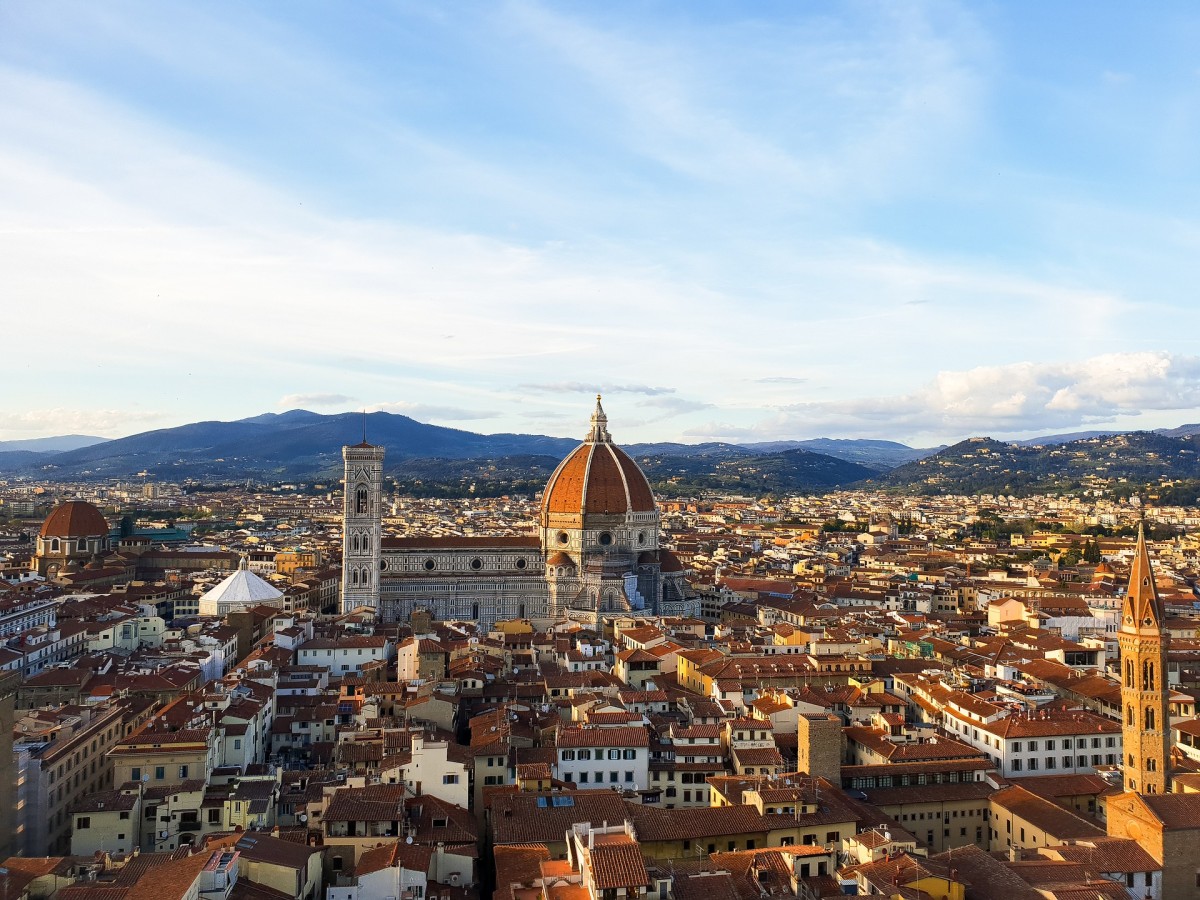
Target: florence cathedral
[{"x": 595, "y": 550}]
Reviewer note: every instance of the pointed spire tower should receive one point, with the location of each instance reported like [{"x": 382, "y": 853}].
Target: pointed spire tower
[{"x": 1143, "y": 639}]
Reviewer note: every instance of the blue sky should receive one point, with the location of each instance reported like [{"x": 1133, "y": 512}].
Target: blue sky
[{"x": 739, "y": 221}]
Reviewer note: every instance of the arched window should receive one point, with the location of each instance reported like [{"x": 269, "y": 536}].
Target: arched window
[
  {"x": 1151, "y": 764},
  {"x": 1129, "y": 714},
  {"x": 354, "y": 543},
  {"x": 1129, "y": 673},
  {"x": 54, "y": 546},
  {"x": 354, "y": 576},
  {"x": 1149, "y": 718},
  {"x": 360, "y": 502},
  {"x": 521, "y": 611},
  {"x": 1148, "y": 676},
  {"x": 475, "y": 611}
]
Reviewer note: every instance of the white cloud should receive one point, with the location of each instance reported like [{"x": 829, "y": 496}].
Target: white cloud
[
  {"x": 1006, "y": 399},
  {"x": 59, "y": 420}
]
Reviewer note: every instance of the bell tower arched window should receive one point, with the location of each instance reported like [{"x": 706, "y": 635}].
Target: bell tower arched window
[
  {"x": 1150, "y": 718},
  {"x": 360, "y": 500},
  {"x": 1148, "y": 676}
]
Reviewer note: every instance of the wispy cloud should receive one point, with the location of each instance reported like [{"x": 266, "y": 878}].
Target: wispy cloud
[
  {"x": 292, "y": 401},
  {"x": 901, "y": 82},
  {"x": 430, "y": 412},
  {"x": 753, "y": 208},
  {"x": 674, "y": 406},
  {"x": 583, "y": 387},
  {"x": 661, "y": 409}
]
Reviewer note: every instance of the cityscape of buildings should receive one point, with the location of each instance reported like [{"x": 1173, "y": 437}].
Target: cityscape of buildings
[
  {"x": 329, "y": 692},
  {"x": 883, "y": 580}
]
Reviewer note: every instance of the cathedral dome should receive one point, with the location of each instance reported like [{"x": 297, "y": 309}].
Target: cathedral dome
[
  {"x": 75, "y": 519},
  {"x": 597, "y": 477}
]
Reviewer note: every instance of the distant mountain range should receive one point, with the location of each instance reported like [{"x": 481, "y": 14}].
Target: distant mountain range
[
  {"x": 301, "y": 444},
  {"x": 52, "y": 444},
  {"x": 431, "y": 459}
]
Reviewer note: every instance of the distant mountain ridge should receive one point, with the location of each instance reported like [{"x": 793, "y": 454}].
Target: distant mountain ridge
[
  {"x": 56, "y": 444},
  {"x": 1047, "y": 440},
  {"x": 298, "y": 444}
]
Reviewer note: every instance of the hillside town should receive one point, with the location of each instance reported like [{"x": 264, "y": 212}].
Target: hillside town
[{"x": 329, "y": 691}]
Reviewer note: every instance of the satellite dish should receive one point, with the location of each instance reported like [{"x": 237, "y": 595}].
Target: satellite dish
[
  {"x": 303, "y": 817},
  {"x": 408, "y": 840}
]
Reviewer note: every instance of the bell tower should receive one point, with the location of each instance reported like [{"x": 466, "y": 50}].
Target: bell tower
[
  {"x": 1143, "y": 639},
  {"x": 362, "y": 526}
]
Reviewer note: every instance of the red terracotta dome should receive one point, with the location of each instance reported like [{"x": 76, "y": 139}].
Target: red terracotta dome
[
  {"x": 597, "y": 477},
  {"x": 75, "y": 519}
]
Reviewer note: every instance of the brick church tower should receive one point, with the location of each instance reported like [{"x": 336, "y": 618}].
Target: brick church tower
[{"x": 1143, "y": 639}]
